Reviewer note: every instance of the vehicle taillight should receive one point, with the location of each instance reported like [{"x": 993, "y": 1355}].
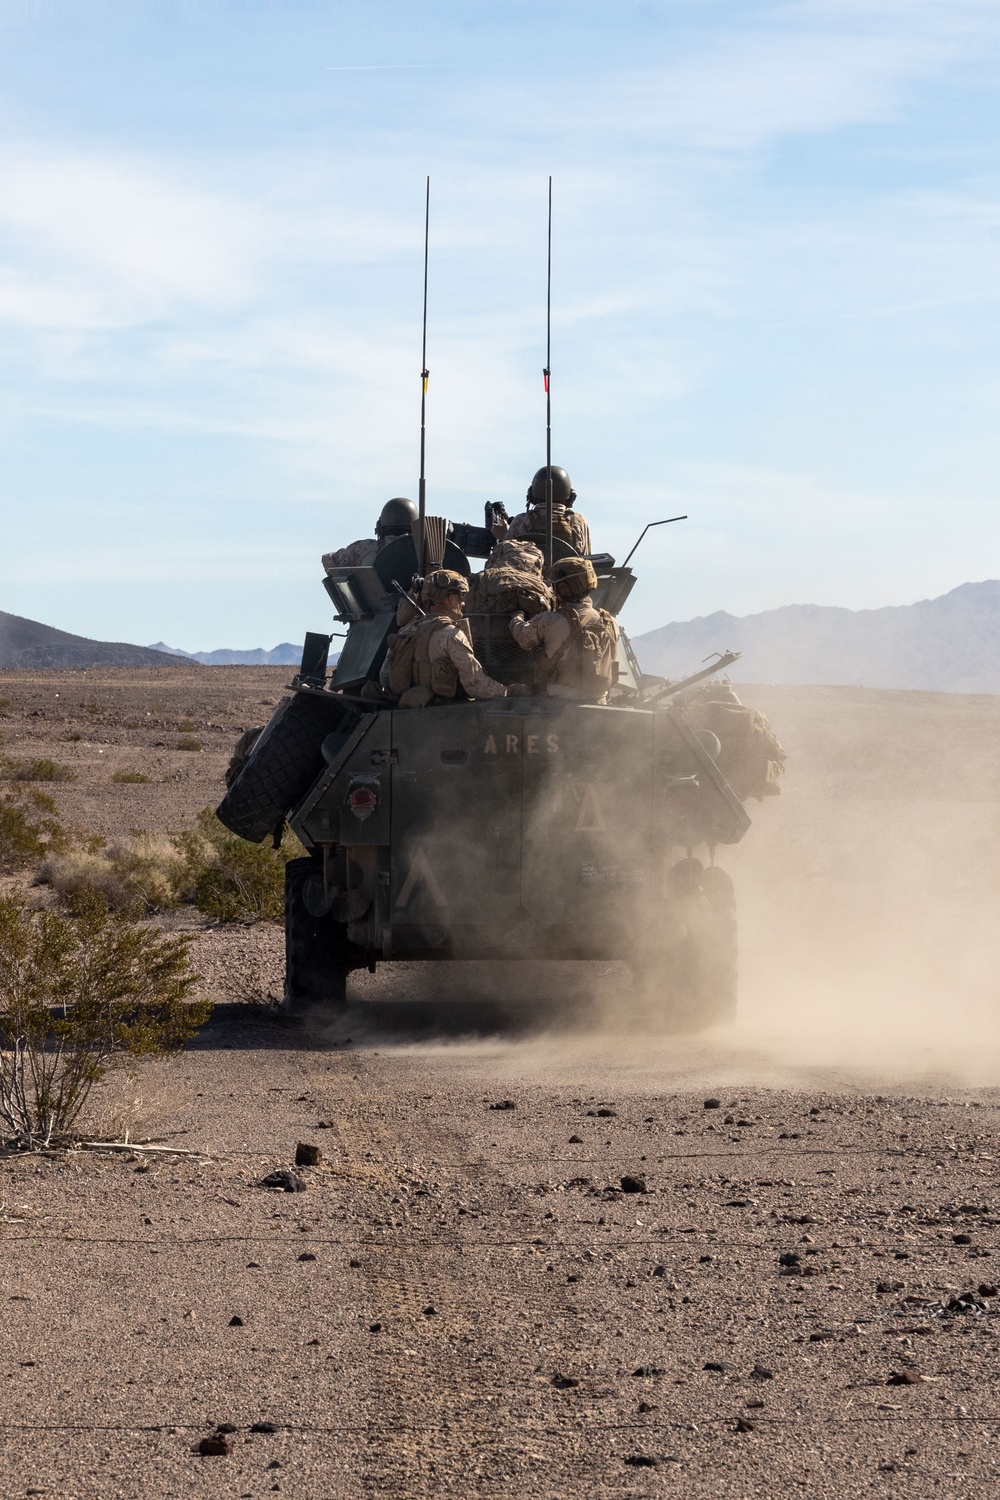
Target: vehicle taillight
[{"x": 362, "y": 801}]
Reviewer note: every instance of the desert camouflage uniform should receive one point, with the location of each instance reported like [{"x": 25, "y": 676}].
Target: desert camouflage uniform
[
  {"x": 355, "y": 555},
  {"x": 532, "y": 523},
  {"x": 450, "y": 643},
  {"x": 552, "y": 630}
]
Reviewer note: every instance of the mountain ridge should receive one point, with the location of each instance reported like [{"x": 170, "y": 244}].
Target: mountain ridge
[
  {"x": 27, "y": 643},
  {"x": 947, "y": 644},
  {"x": 283, "y": 655}
]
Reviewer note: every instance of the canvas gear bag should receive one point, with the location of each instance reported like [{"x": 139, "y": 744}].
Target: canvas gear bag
[
  {"x": 587, "y": 661},
  {"x": 504, "y": 589},
  {"x": 751, "y": 758}
]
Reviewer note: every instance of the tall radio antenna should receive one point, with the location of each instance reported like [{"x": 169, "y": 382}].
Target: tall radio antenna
[
  {"x": 548, "y": 393},
  {"x": 424, "y": 375}
]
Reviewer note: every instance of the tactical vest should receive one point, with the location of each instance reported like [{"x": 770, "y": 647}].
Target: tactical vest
[
  {"x": 587, "y": 661},
  {"x": 561, "y": 526},
  {"x": 410, "y": 663}
]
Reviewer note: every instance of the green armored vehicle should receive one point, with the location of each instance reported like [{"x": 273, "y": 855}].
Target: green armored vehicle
[{"x": 513, "y": 828}]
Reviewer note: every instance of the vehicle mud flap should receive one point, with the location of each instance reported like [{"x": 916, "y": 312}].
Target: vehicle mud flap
[
  {"x": 317, "y": 952},
  {"x": 284, "y": 762},
  {"x": 689, "y": 982}
]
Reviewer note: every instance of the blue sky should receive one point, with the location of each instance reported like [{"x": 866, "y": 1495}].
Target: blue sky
[{"x": 776, "y": 257}]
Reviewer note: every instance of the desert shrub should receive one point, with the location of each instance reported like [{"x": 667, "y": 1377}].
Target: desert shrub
[
  {"x": 74, "y": 736},
  {"x": 130, "y": 778},
  {"x": 29, "y": 827},
  {"x": 81, "y": 992},
  {"x": 231, "y": 880},
  {"x": 187, "y": 726},
  {"x": 223, "y": 876},
  {"x": 141, "y": 874},
  {"x": 187, "y": 743},
  {"x": 41, "y": 770},
  {"x": 5, "y": 707}
]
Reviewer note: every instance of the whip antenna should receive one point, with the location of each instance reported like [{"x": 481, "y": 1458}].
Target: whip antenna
[
  {"x": 424, "y": 374},
  {"x": 548, "y": 393}
]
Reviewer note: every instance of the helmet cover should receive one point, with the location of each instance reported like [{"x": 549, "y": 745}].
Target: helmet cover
[
  {"x": 439, "y": 584},
  {"x": 572, "y": 577}
]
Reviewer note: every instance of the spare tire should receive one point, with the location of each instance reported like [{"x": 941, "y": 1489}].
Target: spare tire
[{"x": 284, "y": 762}]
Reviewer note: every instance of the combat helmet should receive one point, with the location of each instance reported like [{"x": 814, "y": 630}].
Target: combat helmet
[
  {"x": 439, "y": 584},
  {"x": 572, "y": 577},
  {"x": 563, "y": 492},
  {"x": 396, "y": 519}
]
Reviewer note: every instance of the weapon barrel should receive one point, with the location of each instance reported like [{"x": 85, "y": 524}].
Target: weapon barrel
[{"x": 686, "y": 682}]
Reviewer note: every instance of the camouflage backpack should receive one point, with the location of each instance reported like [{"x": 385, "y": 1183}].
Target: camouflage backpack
[{"x": 502, "y": 590}]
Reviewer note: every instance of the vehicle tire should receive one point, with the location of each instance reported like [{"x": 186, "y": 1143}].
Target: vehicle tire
[
  {"x": 285, "y": 760},
  {"x": 690, "y": 981},
  {"x": 317, "y": 952}
]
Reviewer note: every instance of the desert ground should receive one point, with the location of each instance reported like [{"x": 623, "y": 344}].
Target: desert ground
[{"x": 805, "y": 1300}]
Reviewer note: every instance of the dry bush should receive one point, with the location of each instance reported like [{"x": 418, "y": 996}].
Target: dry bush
[
  {"x": 43, "y": 769},
  {"x": 29, "y": 827},
  {"x": 131, "y": 778},
  {"x": 234, "y": 881},
  {"x": 223, "y": 876},
  {"x": 80, "y": 993},
  {"x": 187, "y": 743},
  {"x": 145, "y": 873}
]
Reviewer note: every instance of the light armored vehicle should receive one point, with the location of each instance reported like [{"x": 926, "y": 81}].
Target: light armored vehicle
[{"x": 515, "y": 828}]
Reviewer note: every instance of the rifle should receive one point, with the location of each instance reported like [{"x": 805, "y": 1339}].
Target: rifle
[{"x": 408, "y": 596}]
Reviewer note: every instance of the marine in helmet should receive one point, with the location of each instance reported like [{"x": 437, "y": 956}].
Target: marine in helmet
[
  {"x": 580, "y": 642},
  {"x": 432, "y": 657},
  {"x": 567, "y": 524},
  {"x": 396, "y": 520}
]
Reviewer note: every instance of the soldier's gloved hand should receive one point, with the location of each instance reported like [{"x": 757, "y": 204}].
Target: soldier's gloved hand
[
  {"x": 518, "y": 690},
  {"x": 517, "y": 616}
]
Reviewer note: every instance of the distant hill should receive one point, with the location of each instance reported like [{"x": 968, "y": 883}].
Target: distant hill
[
  {"x": 26, "y": 643},
  {"x": 285, "y": 655},
  {"x": 949, "y": 644}
]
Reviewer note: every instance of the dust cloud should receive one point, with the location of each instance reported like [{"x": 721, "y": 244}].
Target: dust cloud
[
  {"x": 868, "y": 891},
  {"x": 867, "y": 897}
]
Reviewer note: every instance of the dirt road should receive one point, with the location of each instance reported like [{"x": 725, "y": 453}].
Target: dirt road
[{"x": 463, "y": 1300}]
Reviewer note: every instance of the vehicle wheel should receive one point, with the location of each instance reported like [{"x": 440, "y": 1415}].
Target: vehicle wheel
[
  {"x": 690, "y": 980},
  {"x": 285, "y": 760},
  {"x": 317, "y": 952}
]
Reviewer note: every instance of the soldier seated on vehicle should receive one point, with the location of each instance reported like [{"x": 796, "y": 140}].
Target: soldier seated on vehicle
[
  {"x": 580, "y": 642},
  {"x": 567, "y": 524},
  {"x": 396, "y": 520},
  {"x": 432, "y": 659}
]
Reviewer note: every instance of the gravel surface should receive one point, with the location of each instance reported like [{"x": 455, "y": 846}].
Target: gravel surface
[{"x": 464, "y": 1300}]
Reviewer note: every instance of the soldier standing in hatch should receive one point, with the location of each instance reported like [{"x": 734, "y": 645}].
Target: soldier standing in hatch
[
  {"x": 580, "y": 642},
  {"x": 432, "y": 657},
  {"x": 567, "y": 524},
  {"x": 396, "y": 520}
]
